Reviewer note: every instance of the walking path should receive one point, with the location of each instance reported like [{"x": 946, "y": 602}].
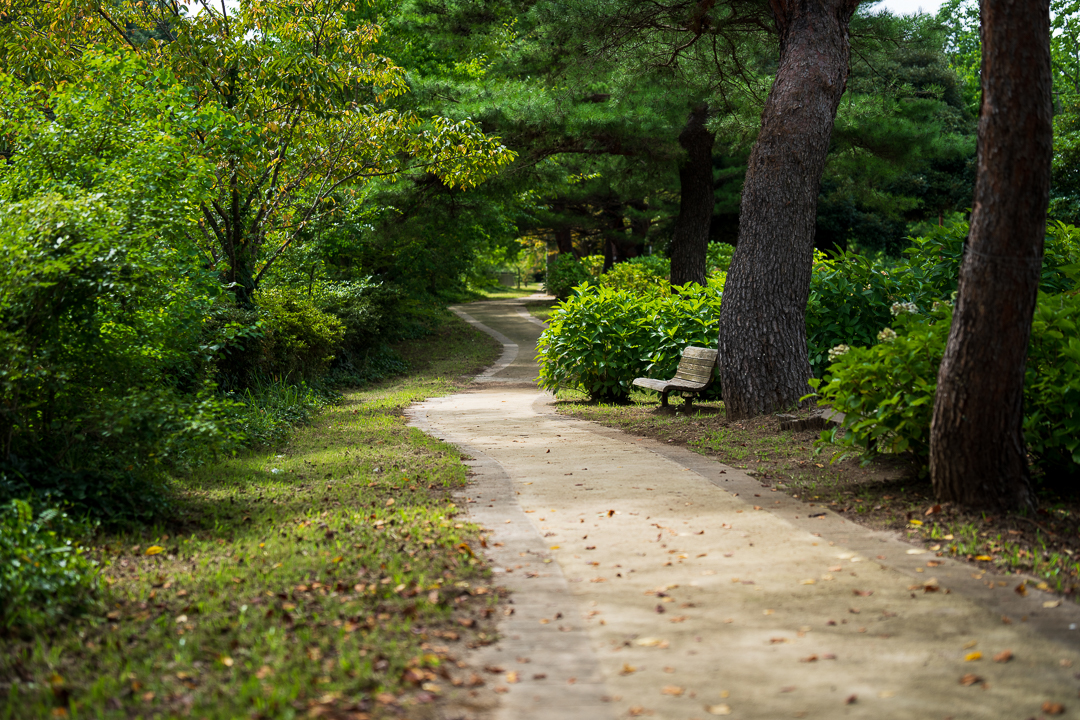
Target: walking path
[{"x": 649, "y": 581}]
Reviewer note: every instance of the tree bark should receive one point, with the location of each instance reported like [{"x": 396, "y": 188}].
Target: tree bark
[
  {"x": 696, "y": 201},
  {"x": 977, "y": 451},
  {"x": 764, "y": 361}
]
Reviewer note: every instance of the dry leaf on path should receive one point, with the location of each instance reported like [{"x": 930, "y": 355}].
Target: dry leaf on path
[
  {"x": 851, "y": 699},
  {"x": 970, "y": 679},
  {"x": 511, "y": 677},
  {"x": 1053, "y": 708},
  {"x": 1051, "y": 603},
  {"x": 627, "y": 669},
  {"x": 720, "y": 709},
  {"x": 973, "y": 656},
  {"x": 672, "y": 690},
  {"x": 1004, "y": 656},
  {"x": 863, "y": 593}
]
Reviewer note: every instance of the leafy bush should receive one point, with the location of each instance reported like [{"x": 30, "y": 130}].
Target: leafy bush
[
  {"x": 886, "y": 391},
  {"x": 602, "y": 338},
  {"x": 1052, "y": 385},
  {"x": 105, "y": 376},
  {"x": 645, "y": 275},
  {"x": 43, "y": 573},
  {"x": 269, "y": 408},
  {"x": 718, "y": 258},
  {"x": 301, "y": 340},
  {"x": 564, "y": 274}
]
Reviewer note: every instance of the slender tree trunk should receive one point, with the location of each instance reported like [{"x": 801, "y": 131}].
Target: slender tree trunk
[
  {"x": 977, "y": 451},
  {"x": 696, "y": 201},
  {"x": 764, "y": 361}
]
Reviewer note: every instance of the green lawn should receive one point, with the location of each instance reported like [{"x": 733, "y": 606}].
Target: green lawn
[{"x": 328, "y": 576}]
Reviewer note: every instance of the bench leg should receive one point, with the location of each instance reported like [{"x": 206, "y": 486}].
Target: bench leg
[
  {"x": 688, "y": 403},
  {"x": 663, "y": 399}
]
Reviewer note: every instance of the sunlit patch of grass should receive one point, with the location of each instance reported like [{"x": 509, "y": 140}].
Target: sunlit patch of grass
[{"x": 329, "y": 574}]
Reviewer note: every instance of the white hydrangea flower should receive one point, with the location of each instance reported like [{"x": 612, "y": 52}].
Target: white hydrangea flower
[
  {"x": 838, "y": 352},
  {"x": 886, "y": 335},
  {"x": 899, "y": 308}
]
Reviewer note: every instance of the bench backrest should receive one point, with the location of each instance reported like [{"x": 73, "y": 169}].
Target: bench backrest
[{"x": 697, "y": 364}]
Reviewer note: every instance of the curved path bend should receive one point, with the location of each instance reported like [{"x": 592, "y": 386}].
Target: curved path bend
[{"x": 650, "y": 581}]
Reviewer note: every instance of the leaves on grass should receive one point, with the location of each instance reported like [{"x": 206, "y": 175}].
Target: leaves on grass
[{"x": 155, "y": 550}]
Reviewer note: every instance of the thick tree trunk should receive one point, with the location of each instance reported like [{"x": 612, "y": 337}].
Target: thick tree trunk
[
  {"x": 977, "y": 451},
  {"x": 696, "y": 201},
  {"x": 564, "y": 240},
  {"x": 764, "y": 360}
]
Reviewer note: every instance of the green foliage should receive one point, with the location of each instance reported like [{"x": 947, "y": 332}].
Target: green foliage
[
  {"x": 106, "y": 371},
  {"x": 718, "y": 257},
  {"x": 645, "y": 275},
  {"x": 601, "y": 339},
  {"x": 44, "y": 574},
  {"x": 268, "y": 409},
  {"x": 1052, "y": 385},
  {"x": 851, "y": 294},
  {"x": 564, "y": 274},
  {"x": 301, "y": 340},
  {"x": 886, "y": 391}
]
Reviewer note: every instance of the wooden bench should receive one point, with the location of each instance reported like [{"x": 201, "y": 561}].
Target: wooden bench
[{"x": 694, "y": 376}]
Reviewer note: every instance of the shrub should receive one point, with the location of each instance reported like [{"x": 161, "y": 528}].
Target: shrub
[
  {"x": 564, "y": 274},
  {"x": 601, "y": 339},
  {"x": 1052, "y": 385},
  {"x": 43, "y": 573},
  {"x": 886, "y": 391},
  {"x": 645, "y": 275},
  {"x": 301, "y": 340},
  {"x": 718, "y": 258}
]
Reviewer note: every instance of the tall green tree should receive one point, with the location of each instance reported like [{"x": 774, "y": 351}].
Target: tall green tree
[{"x": 308, "y": 95}]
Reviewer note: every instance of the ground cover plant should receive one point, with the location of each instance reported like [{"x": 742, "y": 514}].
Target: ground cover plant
[
  {"x": 887, "y": 493},
  {"x": 325, "y": 576}
]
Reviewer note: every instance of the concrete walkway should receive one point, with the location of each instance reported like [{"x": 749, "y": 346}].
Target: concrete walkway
[{"x": 649, "y": 581}]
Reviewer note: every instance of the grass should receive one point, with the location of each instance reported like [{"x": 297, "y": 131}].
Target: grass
[
  {"x": 541, "y": 309},
  {"x": 887, "y": 493},
  {"x": 326, "y": 577},
  {"x": 507, "y": 293}
]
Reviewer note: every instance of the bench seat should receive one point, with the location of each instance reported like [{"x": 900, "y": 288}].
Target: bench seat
[{"x": 694, "y": 376}]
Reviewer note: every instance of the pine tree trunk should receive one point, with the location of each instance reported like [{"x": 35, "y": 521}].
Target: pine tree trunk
[
  {"x": 696, "y": 201},
  {"x": 977, "y": 451},
  {"x": 764, "y": 361}
]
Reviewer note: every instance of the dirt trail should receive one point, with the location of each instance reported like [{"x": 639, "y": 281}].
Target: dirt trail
[{"x": 649, "y": 581}]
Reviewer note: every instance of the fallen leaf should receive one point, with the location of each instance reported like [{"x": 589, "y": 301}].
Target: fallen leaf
[
  {"x": 636, "y": 710},
  {"x": 916, "y": 551},
  {"x": 984, "y": 558},
  {"x": 678, "y": 619},
  {"x": 1053, "y": 708},
  {"x": 627, "y": 669},
  {"x": 1051, "y": 603},
  {"x": 155, "y": 550},
  {"x": 1003, "y": 657},
  {"x": 851, "y": 699},
  {"x": 970, "y": 644},
  {"x": 720, "y": 709},
  {"x": 226, "y": 661},
  {"x": 539, "y": 676},
  {"x": 808, "y": 582},
  {"x": 649, "y": 642},
  {"x": 809, "y": 659},
  {"x": 934, "y": 563},
  {"x": 787, "y": 689},
  {"x": 973, "y": 656},
  {"x": 1021, "y": 590},
  {"x": 836, "y": 568},
  {"x": 933, "y": 510},
  {"x": 1065, "y": 663},
  {"x": 494, "y": 669},
  {"x": 672, "y": 690},
  {"x": 863, "y": 593},
  {"x": 886, "y": 694},
  {"x": 511, "y": 677},
  {"x": 970, "y": 679}
]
